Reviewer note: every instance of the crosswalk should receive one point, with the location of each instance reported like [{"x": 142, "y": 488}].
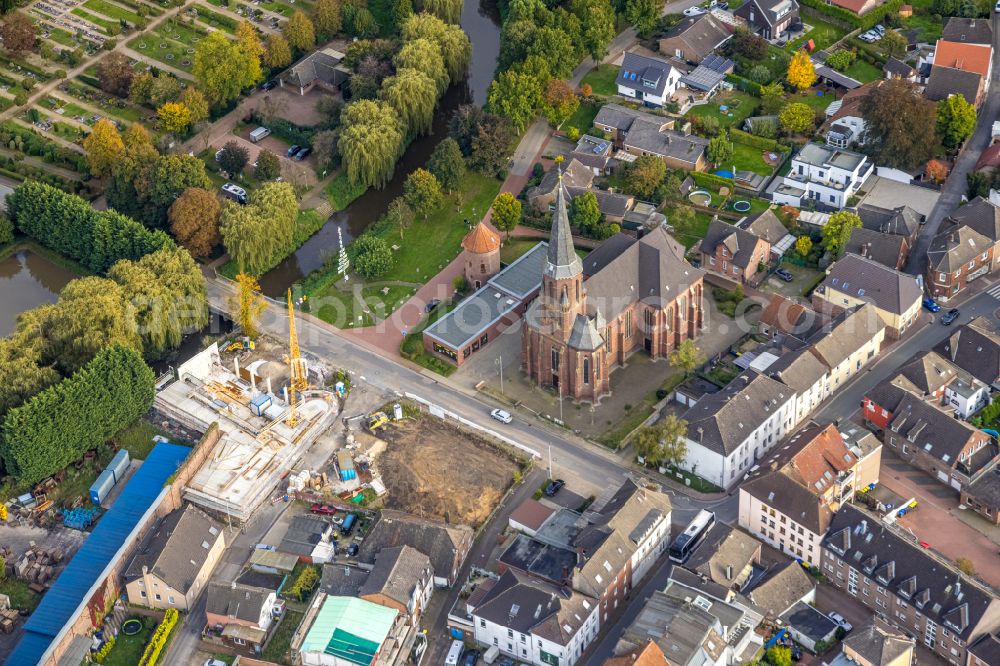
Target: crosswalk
[{"x": 994, "y": 291}]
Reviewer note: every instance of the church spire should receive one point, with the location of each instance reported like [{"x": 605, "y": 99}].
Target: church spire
[{"x": 563, "y": 262}]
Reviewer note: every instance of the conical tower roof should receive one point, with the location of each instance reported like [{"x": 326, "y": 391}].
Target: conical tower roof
[
  {"x": 563, "y": 261},
  {"x": 481, "y": 240}
]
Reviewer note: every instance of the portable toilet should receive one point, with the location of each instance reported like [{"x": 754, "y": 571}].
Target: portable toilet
[
  {"x": 119, "y": 465},
  {"x": 397, "y": 412},
  {"x": 259, "y": 404},
  {"x": 101, "y": 487}
]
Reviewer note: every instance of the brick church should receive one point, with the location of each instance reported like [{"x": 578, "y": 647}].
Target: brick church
[{"x": 592, "y": 314}]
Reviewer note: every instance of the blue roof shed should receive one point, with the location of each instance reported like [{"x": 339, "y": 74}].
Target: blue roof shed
[{"x": 73, "y": 587}]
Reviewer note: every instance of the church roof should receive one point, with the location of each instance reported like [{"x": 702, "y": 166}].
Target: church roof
[
  {"x": 563, "y": 262},
  {"x": 584, "y": 335},
  {"x": 481, "y": 240}
]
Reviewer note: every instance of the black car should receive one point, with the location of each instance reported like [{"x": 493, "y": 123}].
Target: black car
[
  {"x": 352, "y": 550},
  {"x": 471, "y": 657},
  {"x": 784, "y": 275},
  {"x": 554, "y": 487},
  {"x": 949, "y": 316},
  {"x": 303, "y": 153},
  {"x": 796, "y": 653},
  {"x": 270, "y": 85},
  {"x": 291, "y": 151}
]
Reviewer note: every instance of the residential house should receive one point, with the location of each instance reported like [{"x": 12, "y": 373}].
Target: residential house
[
  {"x": 446, "y": 545},
  {"x": 894, "y": 68},
  {"x": 824, "y": 176},
  {"x": 578, "y": 178},
  {"x": 844, "y": 125},
  {"x": 652, "y": 81},
  {"x": 909, "y": 587},
  {"x": 982, "y": 494},
  {"x": 965, "y": 56},
  {"x": 639, "y": 133},
  {"x": 933, "y": 440},
  {"x": 887, "y": 249},
  {"x": 770, "y": 18},
  {"x": 310, "y": 538},
  {"x": 348, "y": 631},
  {"x": 784, "y": 317},
  {"x": 985, "y": 650},
  {"x": 536, "y": 623},
  {"x": 529, "y": 516},
  {"x": 806, "y": 375},
  {"x": 938, "y": 380},
  {"x": 808, "y": 627},
  {"x": 943, "y": 82},
  {"x": 877, "y": 645},
  {"x": 729, "y": 431},
  {"x": 402, "y": 578},
  {"x": 648, "y": 655},
  {"x": 790, "y": 507},
  {"x": 983, "y": 216},
  {"x": 320, "y": 69},
  {"x": 727, "y": 557},
  {"x": 766, "y": 225},
  {"x": 957, "y": 256},
  {"x": 594, "y": 153},
  {"x": 734, "y": 253},
  {"x": 241, "y": 614},
  {"x": 783, "y": 587},
  {"x": 859, "y": 7},
  {"x": 880, "y": 403},
  {"x": 968, "y": 30},
  {"x": 974, "y": 347},
  {"x": 854, "y": 280},
  {"x": 695, "y": 38},
  {"x": 175, "y": 560},
  {"x": 900, "y": 221}
]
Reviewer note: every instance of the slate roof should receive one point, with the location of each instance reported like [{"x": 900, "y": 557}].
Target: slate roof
[
  {"x": 887, "y": 289},
  {"x": 808, "y": 621},
  {"x": 931, "y": 430},
  {"x": 901, "y": 221},
  {"x": 647, "y": 132},
  {"x": 878, "y": 645},
  {"x": 799, "y": 370},
  {"x": 955, "y": 247},
  {"x": 944, "y": 82},
  {"x": 986, "y": 489},
  {"x": 721, "y": 422},
  {"x": 724, "y": 551},
  {"x": 898, "y": 68},
  {"x": 614, "y": 204},
  {"x": 929, "y": 372},
  {"x": 974, "y": 347},
  {"x": 621, "y": 117},
  {"x": 772, "y": 11},
  {"x": 986, "y": 648},
  {"x": 767, "y": 226},
  {"x": 981, "y": 215},
  {"x": 574, "y": 174},
  {"x": 304, "y": 534},
  {"x": 439, "y": 541},
  {"x": 243, "y": 602},
  {"x": 899, "y": 564},
  {"x": 788, "y": 496},
  {"x": 339, "y": 580},
  {"x": 968, "y": 30},
  {"x": 398, "y": 571},
  {"x": 742, "y": 245},
  {"x": 889, "y": 394},
  {"x": 701, "y": 35},
  {"x": 837, "y": 341},
  {"x": 323, "y": 65},
  {"x": 176, "y": 550},
  {"x": 562, "y": 261},
  {"x": 886, "y": 249},
  {"x": 640, "y": 72},
  {"x": 781, "y": 589}
]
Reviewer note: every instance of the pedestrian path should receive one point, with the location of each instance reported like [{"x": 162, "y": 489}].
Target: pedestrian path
[{"x": 994, "y": 291}]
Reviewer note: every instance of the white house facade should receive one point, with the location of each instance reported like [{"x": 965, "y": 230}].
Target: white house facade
[
  {"x": 823, "y": 175},
  {"x": 651, "y": 81}
]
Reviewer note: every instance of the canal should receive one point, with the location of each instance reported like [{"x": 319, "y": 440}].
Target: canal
[
  {"x": 28, "y": 280},
  {"x": 481, "y": 22}
]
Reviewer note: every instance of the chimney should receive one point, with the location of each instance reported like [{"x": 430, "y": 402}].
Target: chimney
[
  {"x": 864, "y": 527},
  {"x": 269, "y": 385}
]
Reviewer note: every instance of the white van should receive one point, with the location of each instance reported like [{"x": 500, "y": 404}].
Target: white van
[
  {"x": 491, "y": 654},
  {"x": 454, "y": 653},
  {"x": 259, "y": 134}
]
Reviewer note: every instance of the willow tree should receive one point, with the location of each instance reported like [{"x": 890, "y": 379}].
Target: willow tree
[
  {"x": 412, "y": 94},
  {"x": 424, "y": 55},
  {"x": 371, "y": 141},
  {"x": 246, "y": 237},
  {"x": 456, "y": 49},
  {"x": 446, "y": 10},
  {"x": 248, "y": 304}
]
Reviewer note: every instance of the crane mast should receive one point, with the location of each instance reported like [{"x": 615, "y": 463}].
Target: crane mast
[{"x": 299, "y": 380}]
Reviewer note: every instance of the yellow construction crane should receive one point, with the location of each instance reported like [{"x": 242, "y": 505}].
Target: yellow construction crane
[{"x": 299, "y": 380}]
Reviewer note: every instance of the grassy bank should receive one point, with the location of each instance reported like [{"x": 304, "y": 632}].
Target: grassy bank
[
  {"x": 308, "y": 223},
  {"x": 413, "y": 344}
]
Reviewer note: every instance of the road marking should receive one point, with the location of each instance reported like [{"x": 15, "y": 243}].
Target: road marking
[{"x": 994, "y": 291}]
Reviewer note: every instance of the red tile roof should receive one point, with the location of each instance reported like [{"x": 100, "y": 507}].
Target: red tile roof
[
  {"x": 966, "y": 57},
  {"x": 481, "y": 239},
  {"x": 650, "y": 655},
  {"x": 531, "y": 513},
  {"x": 851, "y": 5}
]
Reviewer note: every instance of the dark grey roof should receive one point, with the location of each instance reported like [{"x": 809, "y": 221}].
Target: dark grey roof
[
  {"x": 648, "y": 137},
  {"x": 742, "y": 244},
  {"x": 934, "y": 586},
  {"x": 878, "y": 645},
  {"x": 799, "y": 370},
  {"x": 955, "y": 247},
  {"x": 398, "y": 571},
  {"x": 585, "y": 334},
  {"x": 304, "y": 534},
  {"x": 700, "y": 582},
  {"x": 986, "y": 648},
  {"x": 968, "y": 30},
  {"x": 243, "y": 602},
  {"x": 947, "y": 81},
  {"x": 341, "y": 580},
  {"x": 981, "y": 215},
  {"x": 866, "y": 279},
  {"x": 562, "y": 260},
  {"x": 771, "y": 11},
  {"x": 896, "y": 67},
  {"x": 810, "y": 622},
  {"x": 721, "y": 422},
  {"x": 439, "y": 541},
  {"x": 791, "y": 498},
  {"x": 177, "y": 549},
  {"x": 886, "y": 249},
  {"x": 929, "y": 372},
  {"x": 787, "y": 584},
  {"x": 931, "y": 430},
  {"x": 323, "y": 65},
  {"x": 889, "y": 394},
  {"x": 640, "y": 72},
  {"x": 614, "y": 204},
  {"x": 724, "y": 554},
  {"x": 701, "y": 34},
  {"x": 901, "y": 221},
  {"x": 544, "y": 560},
  {"x": 767, "y": 226},
  {"x": 974, "y": 347},
  {"x": 836, "y": 341},
  {"x": 679, "y": 628},
  {"x": 842, "y": 80},
  {"x": 523, "y": 275},
  {"x": 574, "y": 174},
  {"x": 986, "y": 489}
]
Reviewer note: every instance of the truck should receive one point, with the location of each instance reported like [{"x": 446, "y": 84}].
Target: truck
[{"x": 259, "y": 134}]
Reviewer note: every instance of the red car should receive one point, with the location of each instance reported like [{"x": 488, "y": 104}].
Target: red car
[{"x": 322, "y": 509}]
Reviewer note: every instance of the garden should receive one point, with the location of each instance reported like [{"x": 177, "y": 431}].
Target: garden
[
  {"x": 729, "y": 108},
  {"x": 602, "y": 79},
  {"x": 823, "y": 33}
]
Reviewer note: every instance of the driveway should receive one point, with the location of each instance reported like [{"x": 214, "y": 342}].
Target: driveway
[{"x": 804, "y": 279}]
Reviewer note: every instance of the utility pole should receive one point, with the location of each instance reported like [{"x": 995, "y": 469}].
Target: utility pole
[
  {"x": 499, "y": 364},
  {"x": 560, "y": 404},
  {"x": 551, "y": 475}
]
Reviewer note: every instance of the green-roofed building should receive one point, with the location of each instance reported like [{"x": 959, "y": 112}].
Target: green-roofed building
[{"x": 347, "y": 630}]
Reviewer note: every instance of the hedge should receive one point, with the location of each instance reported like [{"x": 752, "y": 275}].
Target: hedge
[
  {"x": 754, "y": 141},
  {"x": 864, "y": 22},
  {"x": 745, "y": 85},
  {"x": 703, "y": 179},
  {"x": 159, "y": 639},
  {"x": 60, "y": 424},
  {"x": 287, "y": 131},
  {"x": 69, "y": 225}
]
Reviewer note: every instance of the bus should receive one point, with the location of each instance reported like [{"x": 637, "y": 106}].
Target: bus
[{"x": 688, "y": 540}]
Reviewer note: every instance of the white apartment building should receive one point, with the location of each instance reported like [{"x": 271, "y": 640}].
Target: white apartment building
[{"x": 823, "y": 175}]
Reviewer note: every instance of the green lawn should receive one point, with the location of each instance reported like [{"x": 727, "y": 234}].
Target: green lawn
[
  {"x": 104, "y": 24},
  {"x": 137, "y": 438},
  {"x": 340, "y": 192},
  {"x": 583, "y": 118},
  {"x": 816, "y": 102},
  {"x": 215, "y": 19},
  {"x": 929, "y": 27},
  {"x": 514, "y": 248},
  {"x": 823, "y": 34},
  {"x": 112, "y": 10},
  {"x": 864, "y": 71},
  {"x": 277, "y": 648},
  {"x": 20, "y": 595},
  {"x": 747, "y": 158},
  {"x": 278, "y": 8},
  {"x": 62, "y": 37},
  {"x": 739, "y": 107},
  {"x": 161, "y": 45},
  {"x": 412, "y": 346},
  {"x": 602, "y": 79},
  {"x": 128, "y": 650},
  {"x": 688, "y": 235}
]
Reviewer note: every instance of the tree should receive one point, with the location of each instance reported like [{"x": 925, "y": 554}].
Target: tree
[
  {"x": 597, "y": 23},
  {"x": 196, "y": 104},
  {"x": 506, "y": 213},
  {"x": 772, "y": 98},
  {"x": 796, "y": 118},
  {"x": 21, "y": 376},
  {"x": 261, "y": 231},
  {"x": 446, "y": 10},
  {"x": 837, "y": 231},
  {"x": 585, "y": 212},
  {"x": 422, "y": 192},
  {"x": 402, "y": 10},
  {"x": 515, "y": 96},
  {"x": 800, "y": 70},
  {"x": 424, "y": 56},
  {"x": 167, "y": 178},
  {"x": 249, "y": 304},
  {"x": 643, "y": 14},
  {"x": 840, "y": 60},
  {"x": 447, "y": 164},
  {"x": 977, "y": 184},
  {"x": 173, "y": 117},
  {"x": 760, "y": 74},
  {"x": 252, "y": 49},
  {"x": 399, "y": 214},
  {"x": 18, "y": 33},
  {"x": 956, "y": 120},
  {"x": 491, "y": 145},
  {"x": 277, "y": 53},
  {"x": 803, "y": 246},
  {"x": 371, "y": 142},
  {"x": 222, "y": 68},
  {"x": 900, "y": 125},
  {"x": 268, "y": 166},
  {"x": 413, "y": 95},
  {"x": 937, "y": 171},
  {"x": 374, "y": 257},
  {"x": 892, "y": 44},
  {"x": 360, "y": 22},
  {"x": 327, "y": 18},
  {"x": 966, "y": 566},
  {"x": 644, "y": 175},
  {"x": 662, "y": 443},
  {"x": 556, "y": 49},
  {"x": 325, "y": 149},
  {"x": 233, "y": 158},
  {"x": 115, "y": 74},
  {"x": 102, "y": 146},
  {"x": 194, "y": 221},
  {"x": 559, "y": 102},
  {"x": 748, "y": 45},
  {"x": 687, "y": 357},
  {"x": 299, "y": 32},
  {"x": 163, "y": 88},
  {"x": 778, "y": 656},
  {"x": 720, "y": 150},
  {"x": 456, "y": 49}
]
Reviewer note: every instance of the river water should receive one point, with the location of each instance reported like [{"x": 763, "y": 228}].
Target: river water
[
  {"x": 481, "y": 22},
  {"x": 28, "y": 280}
]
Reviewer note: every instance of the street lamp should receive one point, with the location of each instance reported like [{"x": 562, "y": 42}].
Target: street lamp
[{"x": 499, "y": 363}]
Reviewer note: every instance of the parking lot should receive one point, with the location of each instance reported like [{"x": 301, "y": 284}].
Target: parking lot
[{"x": 803, "y": 279}]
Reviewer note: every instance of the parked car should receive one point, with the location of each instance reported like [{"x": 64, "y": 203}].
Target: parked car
[
  {"x": 930, "y": 305},
  {"x": 431, "y": 304},
  {"x": 997, "y": 7},
  {"x": 784, "y": 275},
  {"x": 554, "y": 487},
  {"x": 796, "y": 653},
  {"x": 471, "y": 658},
  {"x": 270, "y": 85},
  {"x": 880, "y": 30},
  {"x": 694, "y": 11},
  {"x": 950, "y": 316},
  {"x": 214, "y": 662},
  {"x": 291, "y": 151},
  {"x": 322, "y": 509},
  {"x": 303, "y": 153},
  {"x": 218, "y": 154},
  {"x": 352, "y": 550},
  {"x": 501, "y": 416},
  {"x": 841, "y": 622}
]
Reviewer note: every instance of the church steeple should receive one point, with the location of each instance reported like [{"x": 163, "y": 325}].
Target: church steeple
[{"x": 563, "y": 262}]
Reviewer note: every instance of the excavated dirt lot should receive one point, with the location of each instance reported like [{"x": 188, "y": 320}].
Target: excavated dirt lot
[{"x": 435, "y": 470}]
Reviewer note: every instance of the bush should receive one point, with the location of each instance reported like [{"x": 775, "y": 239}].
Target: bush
[
  {"x": 102, "y": 654},
  {"x": 746, "y": 85},
  {"x": 739, "y": 136},
  {"x": 304, "y": 583},
  {"x": 374, "y": 258},
  {"x": 156, "y": 644}
]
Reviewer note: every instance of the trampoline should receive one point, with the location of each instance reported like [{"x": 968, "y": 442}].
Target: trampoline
[
  {"x": 700, "y": 197},
  {"x": 131, "y": 626},
  {"x": 741, "y": 206},
  {"x": 725, "y": 173}
]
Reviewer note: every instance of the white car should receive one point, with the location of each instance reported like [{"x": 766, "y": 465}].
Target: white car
[
  {"x": 997, "y": 8},
  {"x": 501, "y": 416},
  {"x": 841, "y": 622},
  {"x": 215, "y": 662},
  {"x": 694, "y": 11}
]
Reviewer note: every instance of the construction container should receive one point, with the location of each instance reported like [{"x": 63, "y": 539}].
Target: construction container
[
  {"x": 346, "y": 465},
  {"x": 102, "y": 486},
  {"x": 259, "y": 404},
  {"x": 119, "y": 465}
]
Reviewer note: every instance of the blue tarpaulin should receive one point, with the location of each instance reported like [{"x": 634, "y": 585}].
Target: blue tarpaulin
[{"x": 60, "y": 604}]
